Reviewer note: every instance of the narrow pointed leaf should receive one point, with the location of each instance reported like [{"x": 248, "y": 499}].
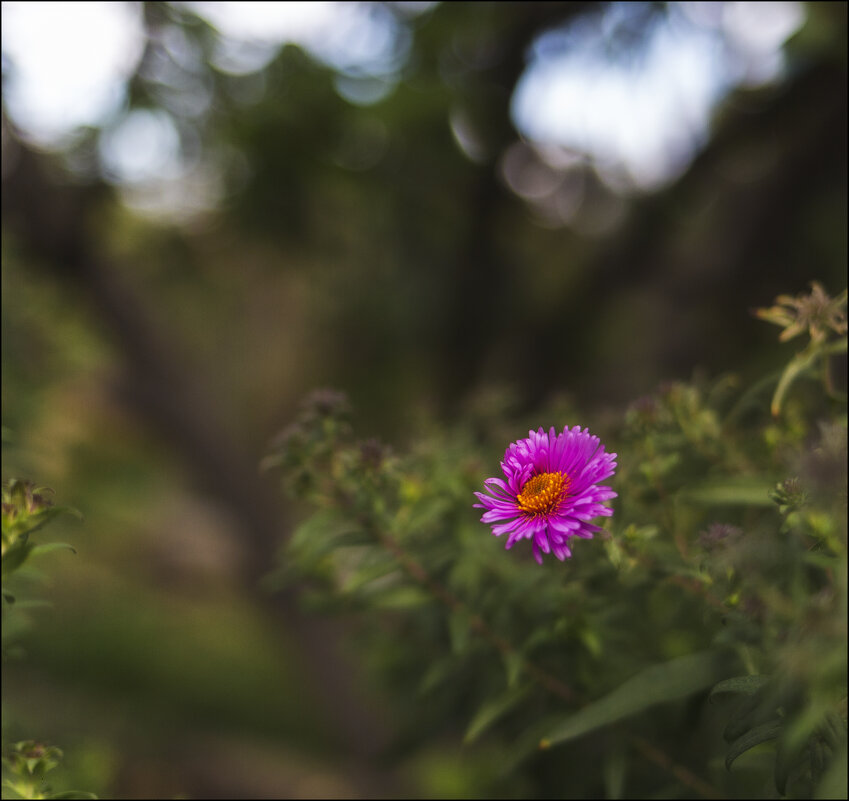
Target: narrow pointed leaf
[
  {"x": 749, "y": 713},
  {"x": 41, "y": 519},
  {"x": 760, "y": 734},
  {"x": 739, "y": 685},
  {"x": 491, "y": 711},
  {"x": 404, "y": 597},
  {"x": 514, "y": 662},
  {"x": 615, "y": 771},
  {"x": 15, "y": 557},
  {"x": 38, "y": 550},
  {"x": 669, "y": 681},
  {"x": 745, "y": 491}
]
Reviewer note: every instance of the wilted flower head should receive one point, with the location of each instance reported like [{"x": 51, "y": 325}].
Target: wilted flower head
[
  {"x": 789, "y": 495},
  {"x": 718, "y": 534},
  {"x": 551, "y": 490},
  {"x": 816, "y": 312},
  {"x": 322, "y": 403}
]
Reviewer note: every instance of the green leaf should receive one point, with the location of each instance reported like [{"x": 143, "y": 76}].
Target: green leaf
[
  {"x": 669, "y": 681},
  {"x": 833, "y": 731},
  {"x": 527, "y": 745},
  {"x": 821, "y": 559},
  {"x": 320, "y": 534},
  {"x": 438, "y": 673},
  {"x": 73, "y": 794},
  {"x": 615, "y": 771},
  {"x": 353, "y": 538},
  {"x": 491, "y": 711},
  {"x": 743, "y": 491},
  {"x": 373, "y": 566},
  {"x": 750, "y": 398},
  {"x": 757, "y": 702},
  {"x": 52, "y": 546},
  {"x": 750, "y": 712},
  {"x": 15, "y": 557},
  {"x": 324, "y": 524},
  {"x": 42, "y": 518},
  {"x": 740, "y": 685},
  {"x": 402, "y": 598},
  {"x": 514, "y": 663},
  {"x": 760, "y": 734},
  {"x": 590, "y": 640}
]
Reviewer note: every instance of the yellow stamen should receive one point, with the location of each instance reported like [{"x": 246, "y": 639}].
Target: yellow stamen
[{"x": 543, "y": 493}]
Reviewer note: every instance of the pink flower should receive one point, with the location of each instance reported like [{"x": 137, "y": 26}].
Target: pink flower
[{"x": 551, "y": 490}]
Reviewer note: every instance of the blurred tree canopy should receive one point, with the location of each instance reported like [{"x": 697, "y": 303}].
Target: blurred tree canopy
[{"x": 317, "y": 236}]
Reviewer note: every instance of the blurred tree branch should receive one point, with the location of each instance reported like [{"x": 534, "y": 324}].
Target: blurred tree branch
[
  {"x": 473, "y": 307},
  {"x": 161, "y": 385},
  {"x": 670, "y": 238}
]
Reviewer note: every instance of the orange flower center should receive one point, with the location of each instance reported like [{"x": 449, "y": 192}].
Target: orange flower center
[{"x": 543, "y": 493}]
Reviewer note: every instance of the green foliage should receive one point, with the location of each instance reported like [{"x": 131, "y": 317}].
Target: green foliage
[
  {"x": 27, "y": 763},
  {"x": 670, "y": 681},
  {"x": 26, "y": 508},
  {"x": 724, "y": 567}
]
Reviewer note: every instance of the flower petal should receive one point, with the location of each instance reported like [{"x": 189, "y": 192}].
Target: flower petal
[{"x": 583, "y": 461}]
